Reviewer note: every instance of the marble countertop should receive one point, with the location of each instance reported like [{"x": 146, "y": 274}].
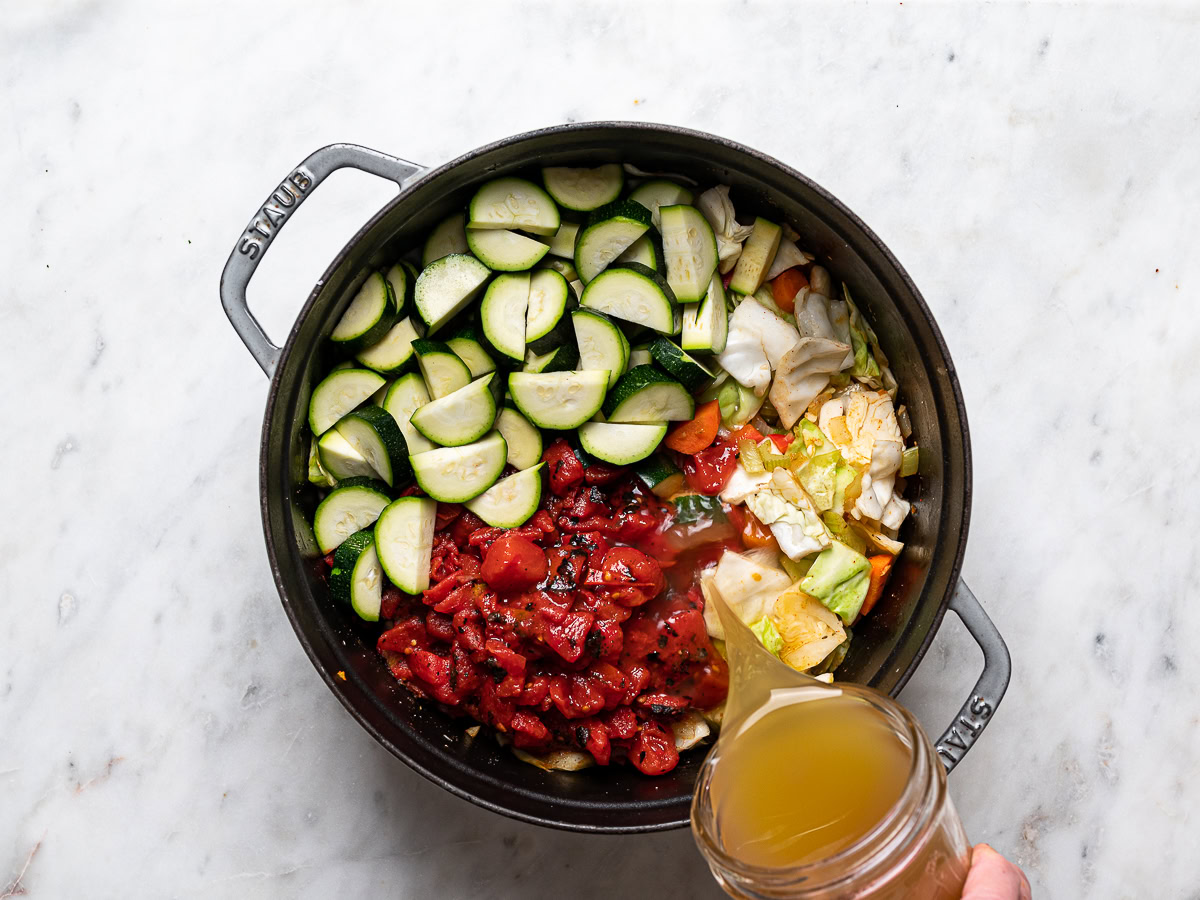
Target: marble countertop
[{"x": 1035, "y": 169}]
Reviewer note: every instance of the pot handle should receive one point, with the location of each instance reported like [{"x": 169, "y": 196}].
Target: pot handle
[
  {"x": 956, "y": 740},
  {"x": 270, "y": 218}
]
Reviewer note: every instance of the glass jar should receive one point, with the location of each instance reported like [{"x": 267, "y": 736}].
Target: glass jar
[{"x": 919, "y": 849}]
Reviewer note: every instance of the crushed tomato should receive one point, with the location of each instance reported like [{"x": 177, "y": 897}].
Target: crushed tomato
[{"x": 567, "y": 632}]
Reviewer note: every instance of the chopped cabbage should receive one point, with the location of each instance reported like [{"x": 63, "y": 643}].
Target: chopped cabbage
[
  {"x": 746, "y": 585},
  {"x": 766, "y": 297},
  {"x": 788, "y": 511},
  {"x": 715, "y": 205},
  {"x": 880, "y": 480},
  {"x": 839, "y": 579},
  {"x": 866, "y": 416},
  {"x": 808, "y": 630},
  {"x": 757, "y": 340},
  {"x": 788, "y": 256},
  {"x": 742, "y": 484},
  {"x": 835, "y": 657},
  {"x": 689, "y": 730},
  {"x": 818, "y": 478},
  {"x": 802, "y": 374},
  {"x": 768, "y": 635},
  {"x": 841, "y": 531}
]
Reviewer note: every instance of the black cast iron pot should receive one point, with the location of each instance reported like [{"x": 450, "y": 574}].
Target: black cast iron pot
[{"x": 887, "y": 647}]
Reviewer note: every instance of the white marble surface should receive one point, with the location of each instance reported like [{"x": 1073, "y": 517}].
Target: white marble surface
[{"x": 1035, "y": 168}]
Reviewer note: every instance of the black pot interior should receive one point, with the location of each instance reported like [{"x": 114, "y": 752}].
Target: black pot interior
[{"x": 885, "y": 648}]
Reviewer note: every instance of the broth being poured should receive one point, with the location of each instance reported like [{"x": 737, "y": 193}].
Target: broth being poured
[
  {"x": 807, "y": 780},
  {"x": 807, "y": 774},
  {"x": 806, "y": 769}
]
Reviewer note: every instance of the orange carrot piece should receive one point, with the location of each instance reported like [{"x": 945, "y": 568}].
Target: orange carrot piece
[
  {"x": 881, "y": 566},
  {"x": 755, "y": 534},
  {"x": 747, "y": 432},
  {"x": 700, "y": 432},
  {"x": 786, "y": 286}
]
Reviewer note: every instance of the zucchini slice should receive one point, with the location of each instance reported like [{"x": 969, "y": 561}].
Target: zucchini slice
[
  {"x": 690, "y": 251},
  {"x": 317, "y": 473},
  {"x": 505, "y": 251},
  {"x": 646, "y": 396},
  {"x": 658, "y": 193},
  {"x": 706, "y": 324},
  {"x": 633, "y": 293},
  {"x": 562, "y": 243},
  {"x": 513, "y": 203},
  {"x": 757, "y": 255},
  {"x": 448, "y": 236},
  {"x": 584, "y": 189},
  {"x": 447, "y": 285},
  {"x": 559, "y": 399},
  {"x": 469, "y": 348},
  {"x": 340, "y": 459},
  {"x": 640, "y": 356},
  {"x": 461, "y": 417},
  {"x": 510, "y": 501},
  {"x": 601, "y": 343},
  {"x": 402, "y": 278},
  {"x": 459, "y": 474},
  {"x": 609, "y": 232},
  {"x": 564, "y": 267},
  {"x": 562, "y": 358},
  {"x": 404, "y": 542},
  {"x": 368, "y": 317},
  {"x": 549, "y": 300},
  {"x": 524, "y": 441},
  {"x": 406, "y": 395},
  {"x": 646, "y": 250},
  {"x": 375, "y": 435},
  {"x": 679, "y": 365},
  {"x": 356, "y": 578},
  {"x": 347, "y": 509},
  {"x": 338, "y": 393},
  {"x": 443, "y": 371},
  {"x": 503, "y": 313},
  {"x": 619, "y": 443},
  {"x": 393, "y": 353},
  {"x": 660, "y": 475}
]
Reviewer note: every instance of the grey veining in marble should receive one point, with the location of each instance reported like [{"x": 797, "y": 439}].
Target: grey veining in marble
[{"x": 1034, "y": 167}]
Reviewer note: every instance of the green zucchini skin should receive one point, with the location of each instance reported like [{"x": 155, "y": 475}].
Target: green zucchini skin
[
  {"x": 679, "y": 365},
  {"x": 644, "y": 395}
]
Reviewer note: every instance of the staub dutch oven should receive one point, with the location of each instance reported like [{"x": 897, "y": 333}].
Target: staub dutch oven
[{"x": 886, "y": 648}]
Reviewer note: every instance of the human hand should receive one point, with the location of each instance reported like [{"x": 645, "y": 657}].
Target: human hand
[{"x": 992, "y": 877}]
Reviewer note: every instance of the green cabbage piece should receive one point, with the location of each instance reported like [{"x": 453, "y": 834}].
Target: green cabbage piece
[
  {"x": 839, "y": 579},
  {"x": 839, "y": 530},
  {"x": 764, "y": 629},
  {"x": 864, "y": 363},
  {"x": 835, "y": 658},
  {"x": 842, "y": 479},
  {"x": 818, "y": 477}
]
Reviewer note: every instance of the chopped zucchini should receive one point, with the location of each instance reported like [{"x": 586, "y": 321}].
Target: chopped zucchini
[
  {"x": 646, "y": 396},
  {"x": 679, "y": 365},
  {"x": 584, "y": 190},
  {"x": 513, "y": 203},
  {"x": 757, "y": 254}
]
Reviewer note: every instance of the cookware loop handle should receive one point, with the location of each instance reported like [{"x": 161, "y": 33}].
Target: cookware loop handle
[
  {"x": 270, "y": 218},
  {"x": 975, "y": 714}
]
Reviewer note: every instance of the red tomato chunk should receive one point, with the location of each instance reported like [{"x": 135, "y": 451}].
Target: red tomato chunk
[{"x": 559, "y": 634}]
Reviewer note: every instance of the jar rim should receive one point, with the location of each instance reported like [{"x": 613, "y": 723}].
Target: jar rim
[{"x": 919, "y": 774}]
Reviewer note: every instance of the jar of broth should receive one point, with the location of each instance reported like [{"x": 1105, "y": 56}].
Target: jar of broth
[{"x": 829, "y": 792}]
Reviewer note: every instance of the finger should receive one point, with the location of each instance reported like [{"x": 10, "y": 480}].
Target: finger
[
  {"x": 992, "y": 877},
  {"x": 1026, "y": 890}
]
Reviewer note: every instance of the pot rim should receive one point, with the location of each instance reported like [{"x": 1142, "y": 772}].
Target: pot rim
[{"x": 430, "y": 174}]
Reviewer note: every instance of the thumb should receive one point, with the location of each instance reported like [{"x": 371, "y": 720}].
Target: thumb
[{"x": 992, "y": 877}]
